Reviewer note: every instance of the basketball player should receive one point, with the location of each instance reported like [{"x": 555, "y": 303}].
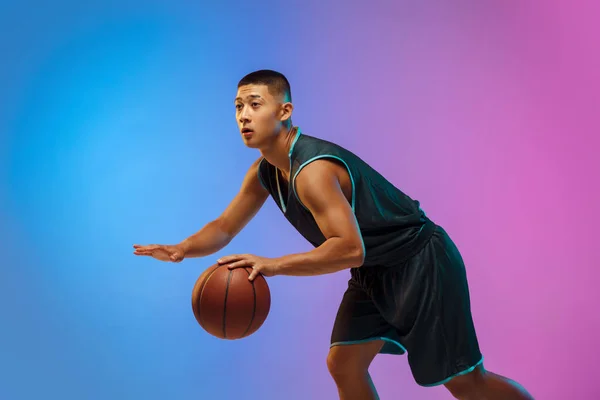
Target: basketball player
[{"x": 408, "y": 290}]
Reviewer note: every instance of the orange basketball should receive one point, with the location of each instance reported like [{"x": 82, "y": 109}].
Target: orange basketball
[{"x": 227, "y": 305}]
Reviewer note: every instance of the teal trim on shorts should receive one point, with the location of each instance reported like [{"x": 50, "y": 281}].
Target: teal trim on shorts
[
  {"x": 403, "y": 351},
  {"x": 402, "y": 348},
  {"x": 466, "y": 371}
]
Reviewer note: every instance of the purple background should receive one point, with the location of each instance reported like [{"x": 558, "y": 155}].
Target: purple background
[{"x": 117, "y": 127}]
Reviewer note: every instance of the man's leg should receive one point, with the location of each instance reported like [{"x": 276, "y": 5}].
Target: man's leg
[
  {"x": 482, "y": 384},
  {"x": 349, "y": 367}
]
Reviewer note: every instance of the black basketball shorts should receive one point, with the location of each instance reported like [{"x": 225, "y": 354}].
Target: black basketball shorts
[{"x": 420, "y": 307}]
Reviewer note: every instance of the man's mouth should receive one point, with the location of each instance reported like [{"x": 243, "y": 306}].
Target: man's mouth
[{"x": 247, "y": 131}]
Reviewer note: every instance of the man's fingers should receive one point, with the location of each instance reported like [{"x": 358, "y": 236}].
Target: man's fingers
[
  {"x": 229, "y": 259},
  {"x": 253, "y": 275},
  {"x": 143, "y": 253},
  {"x": 147, "y": 250},
  {"x": 239, "y": 264},
  {"x": 147, "y": 247}
]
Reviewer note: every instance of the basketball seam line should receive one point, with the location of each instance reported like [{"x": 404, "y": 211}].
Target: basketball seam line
[
  {"x": 253, "y": 306},
  {"x": 202, "y": 292},
  {"x": 225, "y": 305}
]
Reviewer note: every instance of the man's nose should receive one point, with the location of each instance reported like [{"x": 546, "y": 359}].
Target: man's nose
[{"x": 244, "y": 115}]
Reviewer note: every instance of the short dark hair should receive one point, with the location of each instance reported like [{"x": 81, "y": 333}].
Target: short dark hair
[{"x": 275, "y": 81}]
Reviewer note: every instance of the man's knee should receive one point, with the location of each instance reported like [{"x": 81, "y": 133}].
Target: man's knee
[
  {"x": 342, "y": 363},
  {"x": 351, "y": 361},
  {"x": 468, "y": 386}
]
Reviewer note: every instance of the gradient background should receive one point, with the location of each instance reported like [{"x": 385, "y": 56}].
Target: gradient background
[{"x": 117, "y": 127}]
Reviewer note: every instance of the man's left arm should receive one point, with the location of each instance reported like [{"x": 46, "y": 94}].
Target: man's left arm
[{"x": 318, "y": 187}]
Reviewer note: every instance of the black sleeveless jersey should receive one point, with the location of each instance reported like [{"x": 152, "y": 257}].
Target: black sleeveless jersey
[{"x": 392, "y": 225}]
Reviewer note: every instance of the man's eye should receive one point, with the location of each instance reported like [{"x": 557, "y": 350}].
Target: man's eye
[{"x": 255, "y": 104}]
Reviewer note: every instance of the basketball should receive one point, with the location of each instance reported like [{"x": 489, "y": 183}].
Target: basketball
[{"x": 227, "y": 305}]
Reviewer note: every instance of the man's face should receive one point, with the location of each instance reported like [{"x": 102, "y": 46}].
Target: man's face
[{"x": 259, "y": 114}]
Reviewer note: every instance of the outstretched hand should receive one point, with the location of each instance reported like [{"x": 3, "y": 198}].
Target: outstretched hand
[
  {"x": 259, "y": 265},
  {"x": 173, "y": 253}
]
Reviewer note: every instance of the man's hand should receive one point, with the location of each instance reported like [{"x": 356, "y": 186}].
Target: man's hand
[
  {"x": 259, "y": 265},
  {"x": 173, "y": 253}
]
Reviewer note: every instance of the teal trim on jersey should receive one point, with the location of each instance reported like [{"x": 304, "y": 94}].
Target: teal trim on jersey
[
  {"x": 466, "y": 371},
  {"x": 258, "y": 173},
  {"x": 316, "y": 158},
  {"x": 298, "y": 133},
  {"x": 293, "y": 185},
  {"x": 281, "y": 201},
  {"x": 402, "y": 348}
]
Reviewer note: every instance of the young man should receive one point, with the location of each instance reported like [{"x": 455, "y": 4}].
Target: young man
[{"x": 408, "y": 290}]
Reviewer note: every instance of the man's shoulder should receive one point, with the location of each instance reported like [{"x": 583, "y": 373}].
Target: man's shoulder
[{"x": 313, "y": 145}]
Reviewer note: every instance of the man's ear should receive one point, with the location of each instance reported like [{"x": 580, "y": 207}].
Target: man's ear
[{"x": 286, "y": 111}]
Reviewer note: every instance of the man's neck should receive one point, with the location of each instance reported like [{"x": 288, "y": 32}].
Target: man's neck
[{"x": 278, "y": 153}]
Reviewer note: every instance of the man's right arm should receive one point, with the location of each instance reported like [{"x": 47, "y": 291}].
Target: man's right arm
[{"x": 218, "y": 233}]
